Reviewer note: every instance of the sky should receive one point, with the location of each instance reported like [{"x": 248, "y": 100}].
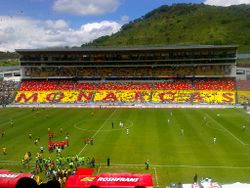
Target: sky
[{"x": 26, "y": 24}]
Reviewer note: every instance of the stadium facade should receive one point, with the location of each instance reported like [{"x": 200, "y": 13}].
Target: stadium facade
[
  {"x": 166, "y": 62},
  {"x": 128, "y": 76}
]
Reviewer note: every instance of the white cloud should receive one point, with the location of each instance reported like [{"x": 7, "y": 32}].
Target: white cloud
[
  {"x": 226, "y": 3},
  {"x": 86, "y": 7},
  {"x": 125, "y": 19},
  {"x": 21, "y": 32},
  {"x": 56, "y": 25}
]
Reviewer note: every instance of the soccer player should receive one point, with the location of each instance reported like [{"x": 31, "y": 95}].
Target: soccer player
[
  {"x": 243, "y": 127},
  {"x": 168, "y": 121},
  {"x": 35, "y": 141},
  {"x": 41, "y": 149},
  {"x": 121, "y": 124},
  {"x": 30, "y": 135},
  {"x": 127, "y": 131},
  {"x": 112, "y": 125},
  {"x": 11, "y": 123},
  {"x": 214, "y": 140},
  {"x": 182, "y": 131}
]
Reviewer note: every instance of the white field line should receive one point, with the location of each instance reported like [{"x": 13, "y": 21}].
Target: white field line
[
  {"x": 156, "y": 178},
  {"x": 99, "y": 169},
  {"x": 113, "y": 129},
  {"x": 98, "y": 130},
  {"x": 178, "y": 166},
  {"x": 117, "y": 165},
  {"x": 207, "y": 124},
  {"x": 235, "y": 137}
]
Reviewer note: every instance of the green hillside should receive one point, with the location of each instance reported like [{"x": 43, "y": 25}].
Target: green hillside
[{"x": 184, "y": 24}]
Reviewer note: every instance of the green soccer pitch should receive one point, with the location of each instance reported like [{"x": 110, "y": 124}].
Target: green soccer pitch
[{"x": 177, "y": 142}]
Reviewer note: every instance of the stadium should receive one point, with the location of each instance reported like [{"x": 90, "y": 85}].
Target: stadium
[{"x": 177, "y": 113}]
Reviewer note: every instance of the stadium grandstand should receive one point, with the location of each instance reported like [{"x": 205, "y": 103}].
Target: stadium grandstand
[
  {"x": 9, "y": 79},
  {"x": 128, "y": 76}
]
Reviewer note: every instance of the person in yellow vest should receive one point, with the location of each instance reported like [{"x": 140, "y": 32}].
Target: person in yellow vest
[
  {"x": 4, "y": 151},
  {"x": 37, "y": 178}
]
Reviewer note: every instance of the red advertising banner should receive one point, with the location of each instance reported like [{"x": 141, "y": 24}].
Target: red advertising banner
[
  {"x": 107, "y": 180},
  {"x": 9, "y": 179}
]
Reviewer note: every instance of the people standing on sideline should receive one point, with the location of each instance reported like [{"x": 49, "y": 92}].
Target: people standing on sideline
[
  {"x": 3, "y": 133},
  {"x": 195, "y": 178},
  {"x": 108, "y": 161},
  {"x": 4, "y": 151},
  {"x": 147, "y": 164}
]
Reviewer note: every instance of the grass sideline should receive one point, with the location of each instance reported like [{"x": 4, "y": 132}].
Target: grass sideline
[{"x": 173, "y": 157}]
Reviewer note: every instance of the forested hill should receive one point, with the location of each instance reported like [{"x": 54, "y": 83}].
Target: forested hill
[
  {"x": 9, "y": 59},
  {"x": 184, "y": 24},
  {"x": 8, "y": 55}
]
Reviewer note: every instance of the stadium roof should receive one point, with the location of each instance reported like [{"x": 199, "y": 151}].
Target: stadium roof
[
  {"x": 133, "y": 48},
  {"x": 9, "y": 68}
]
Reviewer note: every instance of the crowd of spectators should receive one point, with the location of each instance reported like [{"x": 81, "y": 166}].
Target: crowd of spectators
[
  {"x": 177, "y": 91},
  {"x": 7, "y": 91},
  {"x": 125, "y": 71},
  {"x": 174, "y": 85},
  {"x": 214, "y": 84},
  {"x": 182, "y": 84},
  {"x": 243, "y": 88},
  {"x": 243, "y": 85}
]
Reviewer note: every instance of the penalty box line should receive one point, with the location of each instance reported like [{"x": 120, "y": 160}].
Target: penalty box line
[
  {"x": 103, "y": 124},
  {"x": 229, "y": 132}
]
